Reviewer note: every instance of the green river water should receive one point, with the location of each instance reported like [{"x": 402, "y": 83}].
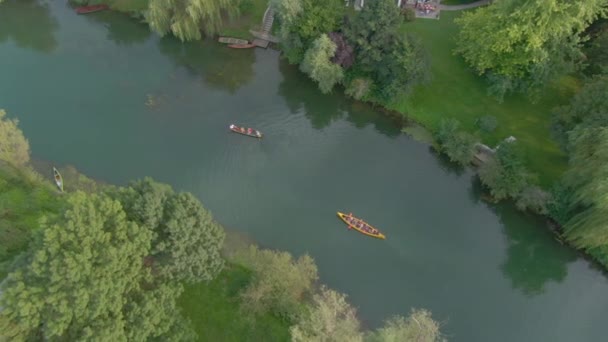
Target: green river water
[{"x": 102, "y": 93}]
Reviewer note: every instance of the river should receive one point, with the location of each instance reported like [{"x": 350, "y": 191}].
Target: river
[{"x": 102, "y": 93}]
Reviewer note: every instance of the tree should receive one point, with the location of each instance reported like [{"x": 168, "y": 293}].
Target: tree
[
  {"x": 14, "y": 148},
  {"x": 187, "y": 241},
  {"x": 505, "y": 175},
  {"x": 318, "y": 65},
  {"x": 344, "y": 55},
  {"x": 186, "y": 18},
  {"x": 588, "y": 108},
  {"x": 458, "y": 145},
  {"x": 530, "y": 42},
  {"x": 359, "y": 88},
  {"x": 279, "y": 282},
  {"x": 418, "y": 327},
  {"x": 535, "y": 199},
  {"x": 586, "y": 177},
  {"x": 303, "y": 21},
  {"x": 596, "y": 49},
  {"x": 81, "y": 268},
  {"x": 330, "y": 319}
]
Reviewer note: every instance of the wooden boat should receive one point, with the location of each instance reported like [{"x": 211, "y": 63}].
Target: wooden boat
[
  {"x": 241, "y": 46},
  {"x": 230, "y": 40},
  {"x": 91, "y": 9},
  {"x": 58, "y": 179},
  {"x": 246, "y": 131},
  {"x": 361, "y": 226}
]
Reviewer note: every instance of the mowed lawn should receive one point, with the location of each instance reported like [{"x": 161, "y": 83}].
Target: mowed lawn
[{"x": 456, "y": 91}]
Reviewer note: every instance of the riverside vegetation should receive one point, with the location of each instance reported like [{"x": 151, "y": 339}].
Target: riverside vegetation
[{"x": 143, "y": 262}]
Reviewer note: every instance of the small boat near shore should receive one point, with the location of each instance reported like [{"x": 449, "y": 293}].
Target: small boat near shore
[
  {"x": 241, "y": 46},
  {"x": 234, "y": 41},
  {"x": 58, "y": 179},
  {"x": 91, "y": 9},
  {"x": 360, "y": 226},
  {"x": 246, "y": 131}
]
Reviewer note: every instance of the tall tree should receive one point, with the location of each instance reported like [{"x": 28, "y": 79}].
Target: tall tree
[
  {"x": 186, "y": 240},
  {"x": 14, "y": 148},
  {"x": 186, "y": 18},
  {"x": 330, "y": 319},
  {"x": 318, "y": 65},
  {"x": 419, "y": 326},
  {"x": 522, "y": 44}
]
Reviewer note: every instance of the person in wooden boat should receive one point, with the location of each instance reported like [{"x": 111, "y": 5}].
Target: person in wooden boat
[
  {"x": 232, "y": 126},
  {"x": 242, "y": 129},
  {"x": 249, "y": 130}
]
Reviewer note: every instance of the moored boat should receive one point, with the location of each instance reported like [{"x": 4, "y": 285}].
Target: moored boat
[
  {"x": 241, "y": 46},
  {"x": 230, "y": 40},
  {"x": 360, "y": 226},
  {"x": 91, "y": 9},
  {"x": 58, "y": 179},
  {"x": 246, "y": 131}
]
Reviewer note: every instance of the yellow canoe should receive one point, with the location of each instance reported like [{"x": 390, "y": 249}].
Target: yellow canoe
[{"x": 360, "y": 226}]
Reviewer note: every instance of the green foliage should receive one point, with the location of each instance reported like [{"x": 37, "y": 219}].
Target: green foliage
[
  {"x": 187, "y": 241},
  {"x": 588, "y": 108},
  {"x": 186, "y": 18},
  {"x": 558, "y": 207},
  {"x": 279, "y": 283},
  {"x": 408, "y": 13},
  {"x": 419, "y": 327},
  {"x": 534, "y": 199},
  {"x": 458, "y": 145},
  {"x": 394, "y": 60},
  {"x": 524, "y": 45},
  {"x": 14, "y": 148},
  {"x": 596, "y": 49},
  {"x": 303, "y": 21},
  {"x": 359, "y": 88},
  {"x": 487, "y": 123},
  {"x": 505, "y": 175},
  {"x": 330, "y": 319},
  {"x": 588, "y": 227},
  {"x": 318, "y": 65},
  {"x": 214, "y": 310}
]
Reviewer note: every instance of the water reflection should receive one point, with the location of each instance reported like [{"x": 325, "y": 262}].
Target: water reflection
[
  {"x": 220, "y": 66},
  {"x": 122, "y": 29},
  {"x": 301, "y": 93},
  {"x": 533, "y": 258},
  {"x": 29, "y": 24}
]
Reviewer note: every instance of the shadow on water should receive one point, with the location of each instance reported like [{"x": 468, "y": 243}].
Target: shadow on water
[
  {"x": 301, "y": 93},
  {"x": 29, "y": 24},
  {"x": 122, "y": 29},
  {"x": 533, "y": 256},
  {"x": 219, "y": 66}
]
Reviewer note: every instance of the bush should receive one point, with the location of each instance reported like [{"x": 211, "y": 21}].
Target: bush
[
  {"x": 558, "y": 206},
  {"x": 245, "y": 6},
  {"x": 359, "y": 88},
  {"x": 408, "y": 13},
  {"x": 458, "y": 145},
  {"x": 505, "y": 174},
  {"x": 533, "y": 199},
  {"x": 486, "y": 123}
]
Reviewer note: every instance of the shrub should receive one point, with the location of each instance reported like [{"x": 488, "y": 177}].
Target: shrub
[
  {"x": 533, "y": 199},
  {"x": 458, "y": 145},
  {"x": 408, "y": 13},
  {"x": 486, "y": 123},
  {"x": 359, "y": 88},
  {"x": 505, "y": 174}
]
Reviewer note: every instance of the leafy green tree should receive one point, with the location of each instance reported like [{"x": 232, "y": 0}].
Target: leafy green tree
[
  {"x": 505, "y": 175},
  {"x": 419, "y": 326},
  {"x": 534, "y": 199},
  {"x": 458, "y": 145},
  {"x": 303, "y": 21},
  {"x": 187, "y": 241},
  {"x": 596, "y": 49},
  {"x": 515, "y": 40},
  {"x": 586, "y": 177},
  {"x": 359, "y": 88},
  {"x": 279, "y": 283},
  {"x": 318, "y": 65},
  {"x": 186, "y": 18},
  {"x": 330, "y": 319},
  {"x": 588, "y": 108},
  {"x": 14, "y": 148},
  {"x": 74, "y": 282}
]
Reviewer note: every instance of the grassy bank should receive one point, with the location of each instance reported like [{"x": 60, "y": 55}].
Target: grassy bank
[
  {"x": 251, "y": 15},
  {"x": 456, "y": 91},
  {"x": 215, "y": 314}
]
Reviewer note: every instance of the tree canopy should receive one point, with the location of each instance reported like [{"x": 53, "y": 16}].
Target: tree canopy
[
  {"x": 330, "y": 319},
  {"x": 186, "y": 18},
  {"x": 522, "y": 44},
  {"x": 14, "y": 148},
  {"x": 186, "y": 240},
  {"x": 318, "y": 65},
  {"x": 419, "y": 326},
  {"x": 505, "y": 174}
]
